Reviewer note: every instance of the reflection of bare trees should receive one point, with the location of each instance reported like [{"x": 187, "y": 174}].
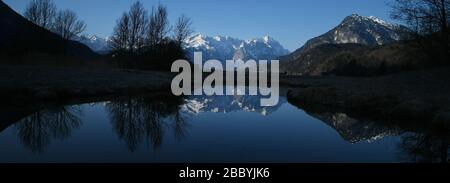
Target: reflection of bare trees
[
  {"x": 145, "y": 119},
  {"x": 37, "y": 130},
  {"x": 179, "y": 126},
  {"x": 424, "y": 148}
]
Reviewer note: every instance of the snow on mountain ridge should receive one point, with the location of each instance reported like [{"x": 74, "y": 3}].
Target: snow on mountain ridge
[
  {"x": 359, "y": 29},
  {"x": 225, "y": 48},
  {"x": 355, "y": 29}
]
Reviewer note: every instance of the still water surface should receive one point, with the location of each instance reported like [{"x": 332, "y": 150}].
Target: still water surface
[{"x": 205, "y": 129}]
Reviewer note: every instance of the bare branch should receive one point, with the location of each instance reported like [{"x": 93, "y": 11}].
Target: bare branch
[
  {"x": 121, "y": 35},
  {"x": 159, "y": 26},
  {"x": 183, "y": 29},
  {"x": 67, "y": 24},
  {"x": 138, "y": 22},
  {"x": 41, "y": 12}
]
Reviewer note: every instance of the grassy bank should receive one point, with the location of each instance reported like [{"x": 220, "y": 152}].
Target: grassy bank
[{"x": 24, "y": 84}]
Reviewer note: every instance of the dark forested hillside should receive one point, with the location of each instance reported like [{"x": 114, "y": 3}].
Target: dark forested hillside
[
  {"x": 21, "y": 38},
  {"x": 356, "y": 60}
]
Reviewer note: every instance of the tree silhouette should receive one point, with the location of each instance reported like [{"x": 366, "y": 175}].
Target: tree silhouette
[
  {"x": 183, "y": 29},
  {"x": 67, "y": 24},
  {"x": 425, "y": 18},
  {"x": 41, "y": 12},
  {"x": 141, "y": 41},
  {"x": 38, "y": 130},
  {"x": 158, "y": 26},
  {"x": 63, "y": 22},
  {"x": 137, "y": 27},
  {"x": 130, "y": 32},
  {"x": 119, "y": 41}
]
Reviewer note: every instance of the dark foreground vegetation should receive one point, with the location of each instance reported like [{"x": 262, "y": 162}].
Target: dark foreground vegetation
[
  {"x": 25, "y": 84},
  {"x": 23, "y": 42},
  {"x": 141, "y": 40},
  {"x": 39, "y": 61}
]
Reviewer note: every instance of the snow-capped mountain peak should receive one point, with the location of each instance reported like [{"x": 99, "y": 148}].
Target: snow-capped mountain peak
[
  {"x": 94, "y": 38},
  {"x": 377, "y": 20},
  {"x": 359, "y": 29},
  {"x": 96, "y": 43},
  {"x": 268, "y": 39},
  {"x": 355, "y": 32},
  {"x": 197, "y": 41}
]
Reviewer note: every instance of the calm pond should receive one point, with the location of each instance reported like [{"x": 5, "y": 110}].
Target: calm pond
[{"x": 202, "y": 129}]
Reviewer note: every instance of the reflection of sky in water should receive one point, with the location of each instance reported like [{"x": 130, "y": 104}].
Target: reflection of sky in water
[{"x": 223, "y": 129}]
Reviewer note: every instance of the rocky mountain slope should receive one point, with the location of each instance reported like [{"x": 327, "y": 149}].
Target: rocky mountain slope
[{"x": 339, "y": 47}]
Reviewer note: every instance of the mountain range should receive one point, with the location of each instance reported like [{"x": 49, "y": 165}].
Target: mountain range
[
  {"x": 224, "y": 48},
  {"x": 356, "y": 35},
  {"x": 355, "y": 43},
  {"x": 353, "y": 36},
  {"x": 219, "y": 47}
]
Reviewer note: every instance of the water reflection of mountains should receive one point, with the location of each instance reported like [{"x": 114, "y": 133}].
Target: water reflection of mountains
[
  {"x": 351, "y": 129},
  {"x": 417, "y": 143},
  {"x": 354, "y": 130},
  {"x": 227, "y": 104},
  {"x": 148, "y": 120}
]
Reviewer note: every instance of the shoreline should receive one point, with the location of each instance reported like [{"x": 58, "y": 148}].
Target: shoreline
[
  {"x": 25, "y": 84},
  {"x": 413, "y": 97},
  {"x": 408, "y": 97}
]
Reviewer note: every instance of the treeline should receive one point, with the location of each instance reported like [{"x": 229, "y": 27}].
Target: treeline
[
  {"x": 63, "y": 22},
  {"x": 143, "y": 40}
]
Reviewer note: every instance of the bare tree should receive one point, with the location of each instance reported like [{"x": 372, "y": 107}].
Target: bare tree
[
  {"x": 120, "y": 38},
  {"x": 130, "y": 33},
  {"x": 67, "y": 24},
  {"x": 41, "y": 12},
  {"x": 138, "y": 21},
  {"x": 183, "y": 29},
  {"x": 158, "y": 26},
  {"x": 425, "y": 17}
]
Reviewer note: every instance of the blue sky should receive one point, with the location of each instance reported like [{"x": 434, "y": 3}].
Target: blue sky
[{"x": 292, "y": 22}]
